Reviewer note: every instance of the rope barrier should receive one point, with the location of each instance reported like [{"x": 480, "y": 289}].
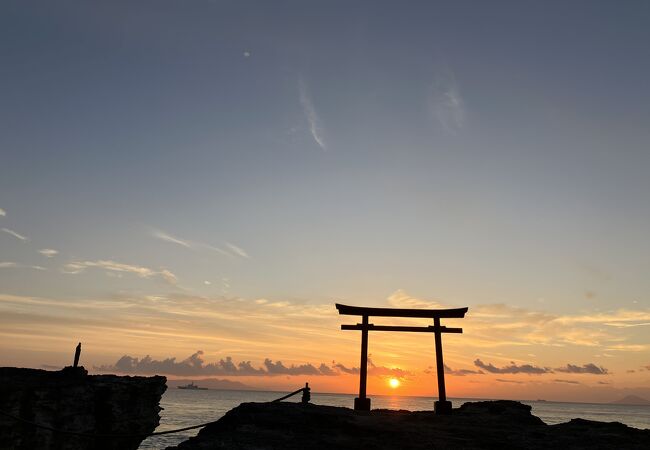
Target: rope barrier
[
  {"x": 305, "y": 399},
  {"x": 93, "y": 435}
]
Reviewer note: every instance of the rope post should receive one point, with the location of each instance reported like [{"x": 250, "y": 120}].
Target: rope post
[{"x": 306, "y": 393}]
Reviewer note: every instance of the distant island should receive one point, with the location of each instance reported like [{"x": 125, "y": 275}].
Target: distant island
[
  {"x": 632, "y": 400},
  {"x": 212, "y": 383}
]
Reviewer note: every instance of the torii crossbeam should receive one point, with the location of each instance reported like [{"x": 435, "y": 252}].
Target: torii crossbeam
[{"x": 362, "y": 403}]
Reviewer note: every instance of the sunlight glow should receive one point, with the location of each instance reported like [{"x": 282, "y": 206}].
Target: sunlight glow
[{"x": 393, "y": 382}]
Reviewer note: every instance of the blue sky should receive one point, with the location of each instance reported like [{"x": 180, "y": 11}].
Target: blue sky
[{"x": 468, "y": 152}]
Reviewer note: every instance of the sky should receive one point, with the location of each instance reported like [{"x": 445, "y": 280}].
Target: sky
[{"x": 188, "y": 188}]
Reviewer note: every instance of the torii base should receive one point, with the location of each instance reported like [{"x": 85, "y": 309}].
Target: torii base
[
  {"x": 361, "y": 404},
  {"x": 441, "y": 407}
]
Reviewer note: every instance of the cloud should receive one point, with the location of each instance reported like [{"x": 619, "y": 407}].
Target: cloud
[
  {"x": 512, "y": 368},
  {"x": 2, "y": 212},
  {"x": 233, "y": 249},
  {"x": 587, "y": 368},
  {"x": 382, "y": 371},
  {"x": 217, "y": 249},
  {"x": 76, "y": 267},
  {"x": 196, "y": 365},
  {"x": 400, "y": 299},
  {"x": 462, "y": 372},
  {"x": 171, "y": 239},
  {"x": 278, "y": 368},
  {"x": 237, "y": 250},
  {"x": 566, "y": 381},
  {"x": 349, "y": 370},
  {"x": 14, "y": 234},
  {"x": 501, "y": 325},
  {"x": 193, "y": 365},
  {"x": 48, "y": 252},
  {"x": 310, "y": 113},
  {"x": 13, "y": 265},
  {"x": 535, "y": 370},
  {"x": 168, "y": 277},
  {"x": 445, "y": 102},
  {"x": 501, "y": 380}
]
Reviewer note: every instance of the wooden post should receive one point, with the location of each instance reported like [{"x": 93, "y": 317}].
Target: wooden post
[
  {"x": 362, "y": 403},
  {"x": 442, "y": 406},
  {"x": 77, "y": 353},
  {"x": 306, "y": 395}
]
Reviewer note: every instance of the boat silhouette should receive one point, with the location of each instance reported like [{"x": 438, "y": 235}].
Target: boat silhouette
[{"x": 192, "y": 387}]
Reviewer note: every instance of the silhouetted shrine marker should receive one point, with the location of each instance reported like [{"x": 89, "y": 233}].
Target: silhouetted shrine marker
[{"x": 362, "y": 403}]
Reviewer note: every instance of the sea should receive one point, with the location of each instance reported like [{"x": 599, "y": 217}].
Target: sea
[{"x": 183, "y": 408}]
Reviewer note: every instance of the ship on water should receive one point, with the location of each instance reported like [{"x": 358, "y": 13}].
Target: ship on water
[{"x": 192, "y": 387}]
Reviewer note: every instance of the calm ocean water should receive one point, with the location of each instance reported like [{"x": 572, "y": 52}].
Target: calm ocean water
[{"x": 184, "y": 408}]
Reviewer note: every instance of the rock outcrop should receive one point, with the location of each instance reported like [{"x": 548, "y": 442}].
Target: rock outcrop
[
  {"x": 478, "y": 425},
  {"x": 71, "y": 400}
]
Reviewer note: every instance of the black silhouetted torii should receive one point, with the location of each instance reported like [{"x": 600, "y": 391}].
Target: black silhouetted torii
[{"x": 362, "y": 403}]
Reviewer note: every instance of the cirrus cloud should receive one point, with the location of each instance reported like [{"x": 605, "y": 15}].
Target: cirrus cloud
[
  {"x": 15, "y": 234},
  {"x": 48, "y": 252},
  {"x": 77, "y": 267}
]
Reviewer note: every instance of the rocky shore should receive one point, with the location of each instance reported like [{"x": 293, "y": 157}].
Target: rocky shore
[
  {"x": 71, "y": 400},
  {"x": 478, "y": 425}
]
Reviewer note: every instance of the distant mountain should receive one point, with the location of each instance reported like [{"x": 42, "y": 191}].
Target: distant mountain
[
  {"x": 632, "y": 400},
  {"x": 212, "y": 383}
]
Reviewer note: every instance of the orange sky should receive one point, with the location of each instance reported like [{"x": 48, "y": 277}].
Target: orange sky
[{"x": 504, "y": 351}]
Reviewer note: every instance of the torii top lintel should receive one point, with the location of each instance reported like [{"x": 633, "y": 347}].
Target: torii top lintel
[{"x": 399, "y": 312}]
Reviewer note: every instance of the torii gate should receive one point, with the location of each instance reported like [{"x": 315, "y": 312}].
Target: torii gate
[{"x": 362, "y": 403}]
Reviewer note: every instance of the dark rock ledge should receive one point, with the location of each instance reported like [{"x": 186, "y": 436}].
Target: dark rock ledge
[
  {"x": 479, "y": 425},
  {"x": 71, "y": 400}
]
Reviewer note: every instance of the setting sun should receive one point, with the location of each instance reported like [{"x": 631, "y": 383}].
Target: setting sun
[{"x": 393, "y": 382}]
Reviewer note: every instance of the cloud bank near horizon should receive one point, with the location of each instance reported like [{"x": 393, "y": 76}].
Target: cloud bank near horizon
[{"x": 195, "y": 365}]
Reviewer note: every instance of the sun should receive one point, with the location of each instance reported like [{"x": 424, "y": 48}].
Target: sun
[{"x": 394, "y": 383}]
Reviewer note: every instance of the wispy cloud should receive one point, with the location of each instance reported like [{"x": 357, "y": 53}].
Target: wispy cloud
[
  {"x": 309, "y": 110},
  {"x": 237, "y": 250},
  {"x": 14, "y": 234},
  {"x": 232, "y": 249},
  {"x": 501, "y": 325},
  {"x": 446, "y": 104},
  {"x": 168, "y": 276},
  {"x": 14, "y": 265},
  {"x": 48, "y": 252},
  {"x": 3, "y": 212},
  {"x": 217, "y": 249},
  {"x": 171, "y": 239},
  {"x": 400, "y": 299},
  {"x": 76, "y": 267}
]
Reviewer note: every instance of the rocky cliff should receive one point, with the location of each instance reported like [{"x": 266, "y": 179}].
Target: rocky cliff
[
  {"x": 74, "y": 401},
  {"x": 479, "y": 425}
]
